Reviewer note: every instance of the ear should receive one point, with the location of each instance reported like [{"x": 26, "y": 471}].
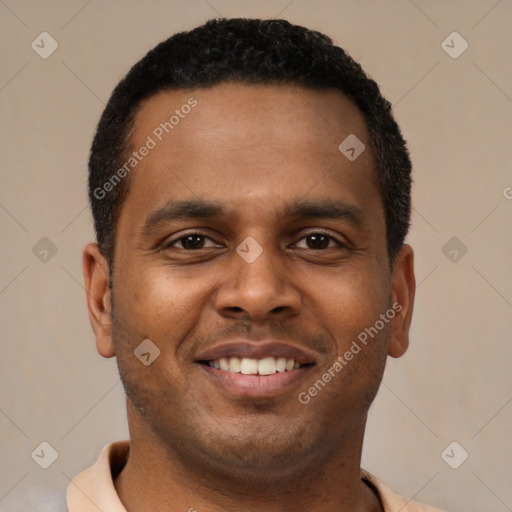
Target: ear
[
  {"x": 95, "y": 267},
  {"x": 403, "y": 285}
]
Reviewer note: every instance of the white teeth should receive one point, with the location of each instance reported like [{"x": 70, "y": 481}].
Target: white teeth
[
  {"x": 267, "y": 366},
  {"x": 249, "y": 366},
  {"x": 234, "y": 364}
]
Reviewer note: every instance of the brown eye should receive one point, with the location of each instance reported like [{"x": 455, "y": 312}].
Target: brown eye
[
  {"x": 318, "y": 241},
  {"x": 190, "y": 242}
]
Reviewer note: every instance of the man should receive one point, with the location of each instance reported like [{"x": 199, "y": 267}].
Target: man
[{"x": 251, "y": 196}]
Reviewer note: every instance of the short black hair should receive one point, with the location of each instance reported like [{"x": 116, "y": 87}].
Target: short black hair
[{"x": 250, "y": 51}]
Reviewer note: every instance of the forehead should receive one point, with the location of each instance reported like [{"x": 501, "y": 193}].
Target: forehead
[
  {"x": 242, "y": 144},
  {"x": 255, "y": 114}
]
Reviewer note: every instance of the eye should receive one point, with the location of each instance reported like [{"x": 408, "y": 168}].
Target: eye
[
  {"x": 320, "y": 240},
  {"x": 191, "y": 241}
]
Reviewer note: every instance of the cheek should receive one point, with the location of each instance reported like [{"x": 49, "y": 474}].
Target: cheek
[
  {"x": 158, "y": 304},
  {"x": 152, "y": 304},
  {"x": 351, "y": 314},
  {"x": 347, "y": 301}
]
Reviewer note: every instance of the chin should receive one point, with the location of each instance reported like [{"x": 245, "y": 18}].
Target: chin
[{"x": 259, "y": 451}]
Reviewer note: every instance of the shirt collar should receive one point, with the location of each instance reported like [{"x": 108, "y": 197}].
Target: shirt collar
[{"x": 93, "y": 489}]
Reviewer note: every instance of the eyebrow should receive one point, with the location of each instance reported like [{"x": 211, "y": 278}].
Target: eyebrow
[{"x": 202, "y": 209}]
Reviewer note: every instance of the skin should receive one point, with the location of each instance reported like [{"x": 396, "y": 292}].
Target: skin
[{"x": 194, "y": 443}]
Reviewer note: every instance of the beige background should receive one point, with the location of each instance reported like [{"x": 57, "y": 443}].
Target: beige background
[{"x": 454, "y": 384}]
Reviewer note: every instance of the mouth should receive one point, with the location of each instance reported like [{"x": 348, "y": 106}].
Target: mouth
[{"x": 256, "y": 369}]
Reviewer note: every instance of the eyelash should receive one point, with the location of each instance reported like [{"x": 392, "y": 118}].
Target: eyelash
[{"x": 318, "y": 232}]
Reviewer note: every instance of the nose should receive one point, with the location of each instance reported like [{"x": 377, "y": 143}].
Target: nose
[{"x": 258, "y": 291}]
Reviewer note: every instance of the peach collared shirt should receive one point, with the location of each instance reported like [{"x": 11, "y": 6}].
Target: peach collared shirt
[{"x": 93, "y": 489}]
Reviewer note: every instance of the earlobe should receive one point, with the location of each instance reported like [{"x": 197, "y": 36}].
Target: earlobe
[
  {"x": 403, "y": 291},
  {"x": 96, "y": 276}
]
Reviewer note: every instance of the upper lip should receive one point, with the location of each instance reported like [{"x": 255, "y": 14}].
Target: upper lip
[{"x": 258, "y": 350}]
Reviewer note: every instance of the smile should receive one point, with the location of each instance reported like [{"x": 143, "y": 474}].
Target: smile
[
  {"x": 249, "y": 366},
  {"x": 258, "y": 369}
]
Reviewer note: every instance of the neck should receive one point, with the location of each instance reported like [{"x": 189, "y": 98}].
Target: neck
[{"x": 153, "y": 470}]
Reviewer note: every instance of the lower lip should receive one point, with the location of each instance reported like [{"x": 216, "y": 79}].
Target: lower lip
[{"x": 257, "y": 385}]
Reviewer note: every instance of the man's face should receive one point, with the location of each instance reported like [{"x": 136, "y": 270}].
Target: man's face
[{"x": 266, "y": 159}]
